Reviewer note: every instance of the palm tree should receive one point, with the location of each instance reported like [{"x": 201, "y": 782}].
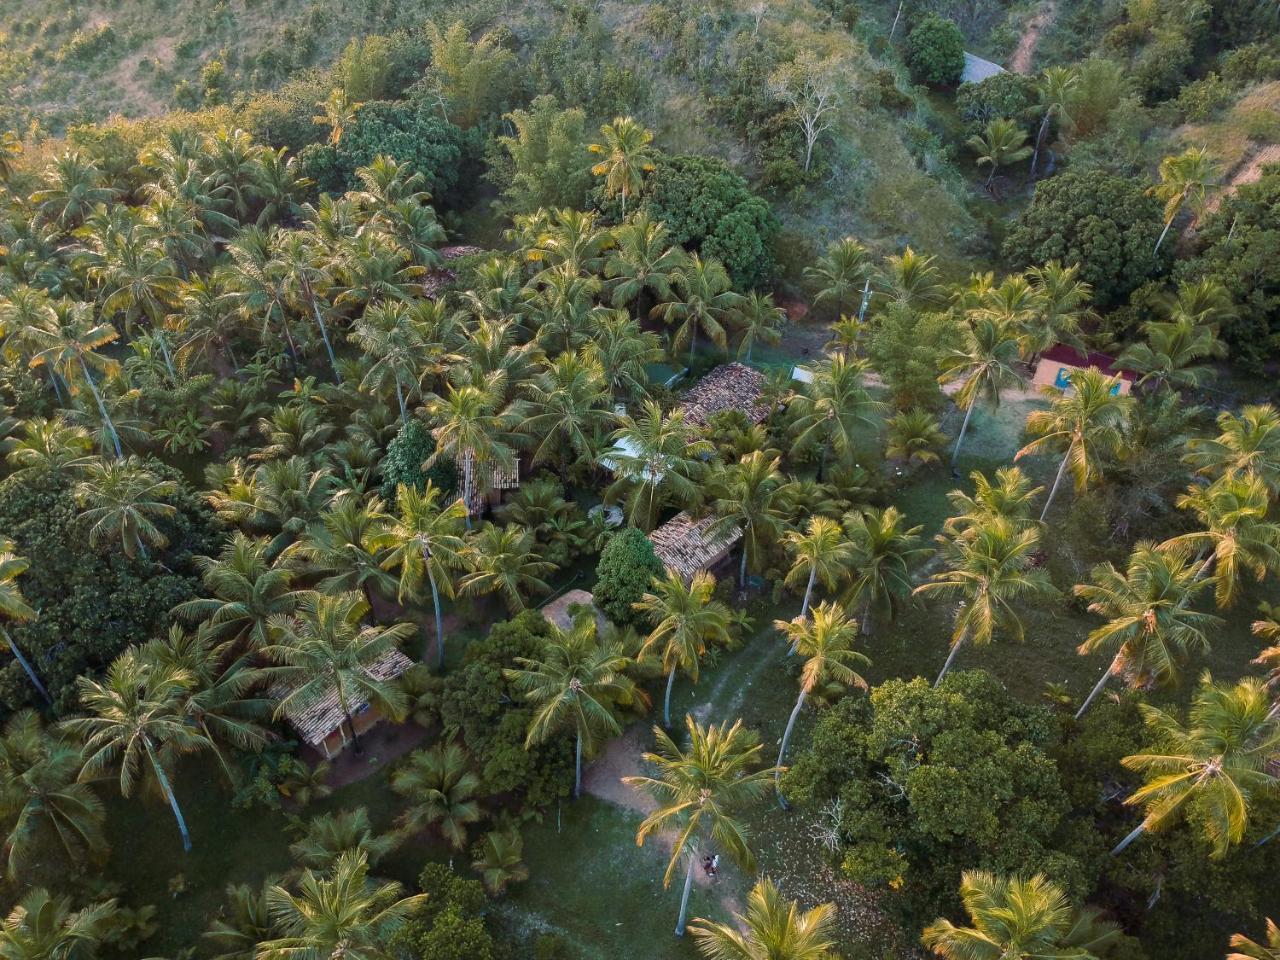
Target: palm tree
[
  {"x": 749, "y": 501},
  {"x": 1008, "y": 497},
  {"x": 771, "y": 929},
  {"x": 342, "y": 549},
  {"x": 826, "y": 644},
  {"x": 1212, "y": 767},
  {"x": 44, "y": 927},
  {"x": 325, "y": 649},
  {"x": 834, "y": 409},
  {"x": 1149, "y": 623},
  {"x": 912, "y": 279},
  {"x": 1249, "y": 442},
  {"x": 423, "y": 541},
  {"x": 40, "y": 799},
  {"x": 627, "y": 157},
  {"x": 700, "y": 792},
  {"x": 655, "y": 456},
  {"x": 707, "y": 303},
  {"x": 686, "y": 618},
  {"x": 1060, "y": 304},
  {"x": 914, "y": 438},
  {"x": 820, "y": 553},
  {"x": 576, "y": 683},
  {"x": 1082, "y": 423},
  {"x": 1236, "y": 533},
  {"x": 48, "y": 446},
  {"x": 15, "y": 609},
  {"x": 73, "y": 187},
  {"x": 839, "y": 273},
  {"x": 474, "y": 432},
  {"x": 986, "y": 363},
  {"x": 10, "y": 150},
  {"x": 247, "y": 591},
  {"x": 1249, "y": 950},
  {"x": 759, "y": 319},
  {"x": 439, "y": 789},
  {"x": 1015, "y": 918},
  {"x": 330, "y": 836},
  {"x": 642, "y": 263},
  {"x": 1055, "y": 93},
  {"x": 501, "y": 860},
  {"x": 883, "y": 551},
  {"x": 503, "y": 560},
  {"x": 1002, "y": 142},
  {"x": 337, "y": 112},
  {"x": 1183, "y": 177},
  {"x": 122, "y": 500},
  {"x": 567, "y": 409},
  {"x": 1171, "y": 354},
  {"x": 338, "y": 912},
  {"x": 135, "y": 722},
  {"x": 988, "y": 569}
]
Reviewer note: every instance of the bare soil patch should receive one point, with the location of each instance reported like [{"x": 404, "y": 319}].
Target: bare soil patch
[{"x": 1020, "y": 62}]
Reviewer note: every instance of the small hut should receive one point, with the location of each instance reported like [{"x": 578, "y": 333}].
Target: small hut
[
  {"x": 499, "y": 478},
  {"x": 321, "y": 724},
  {"x": 731, "y": 386},
  {"x": 685, "y": 545},
  {"x": 1059, "y": 363}
]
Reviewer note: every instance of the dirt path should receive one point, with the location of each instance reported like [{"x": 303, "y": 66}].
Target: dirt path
[
  {"x": 1020, "y": 62},
  {"x": 1247, "y": 171}
]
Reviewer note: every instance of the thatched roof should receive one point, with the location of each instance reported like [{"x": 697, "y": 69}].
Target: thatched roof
[
  {"x": 685, "y": 545},
  {"x": 499, "y": 478},
  {"x": 317, "y": 719},
  {"x": 732, "y": 386}
]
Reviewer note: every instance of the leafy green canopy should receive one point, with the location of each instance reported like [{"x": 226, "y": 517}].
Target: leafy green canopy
[
  {"x": 935, "y": 52},
  {"x": 627, "y": 566}
]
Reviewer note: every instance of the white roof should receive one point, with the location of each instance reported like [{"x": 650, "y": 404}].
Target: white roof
[
  {"x": 976, "y": 69},
  {"x": 802, "y": 374},
  {"x": 628, "y": 449}
]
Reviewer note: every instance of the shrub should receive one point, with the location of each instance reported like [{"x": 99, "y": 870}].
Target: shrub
[
  {"x": 1006, "y": 96},
  {"x": 283, "y": 117},
  {"x": 626, "y": 568},
  {"x": 406, "y": 453},
  {"x": 1106, "y": 224},
  {"x": 935, "y": 52}
]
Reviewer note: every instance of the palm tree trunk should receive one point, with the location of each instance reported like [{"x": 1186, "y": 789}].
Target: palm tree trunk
[
  {"x": 102, "y": 409},
  {"x": 57, "y": 390},
  {"x": 693, "y": 342},
  {"x": 951, "y": 659},
  {"x": 684, "y": 897},
  {"x": 666, "y": 701},
  {"x": 22, "y": 661},
  {"x": 346, "y": 712},
  {"x": 164, "y": 350},
  {"x": 1035, "y": 155},
  {"x": 1102, "y": 682},
  {"x": 866, "y": 618},
  {"x": 577, "y": 767},
  {"x": 808, "y": 592},
  {"x": 167, "y": 790},
  {"x": 898, "y": 16},
  {"x": 1134, "y": 834},
  {"x": 324, "y": 333},
  {"x": 782, "y": 750},
  {"x": 435, "y": 601},
  {"x": 1164, "y": 232},
  {"x": 404, "y": 414},
  {"x": 964, "y": 428},
  {"x": 1057, "y": 481},
  {"x": 742, "y": 567}
]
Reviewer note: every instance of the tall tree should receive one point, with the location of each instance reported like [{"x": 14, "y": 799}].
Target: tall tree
[
  {"x": 835, "y": 410},
  {"x": 1184, "y": 178},
  {"x": 655, "y": 457},
  {"x": 706, "y": 302},
  {"x": 1008, "y": 497},
  {"x": 772, "y": 929},
  {"x": 1248, "y": 442},
  {"x": 1246, "y": 949},
  {"x": 1001, "y": 142},
  {"x": 15, "y": 609},
  {"x": 749, "y": 500},
  {"x": 626, "y": 156},
  {"x": 883, "y": 551},
  {"x": 1055, "y": 94},
  {"x": 504, "y": 560},
  {"x": 986, "y": 363},
  {"x": 440, "y": 790},
  {"x": 821, "y": 554},
  {"x": 122, "y": 500},
  {"x": 839, "y": 274},
  {"x": 43, "y": 927}
]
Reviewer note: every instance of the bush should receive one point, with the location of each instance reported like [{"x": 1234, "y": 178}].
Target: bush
[
  {"x": 406, "y": 453},
  {"x": 709, "y": 208},
  {"x": 627, "y": 566},
  {"x": 1106, "y": 224},
  {"x": 451, "y": 924},
  {"x": 935, "y": 52},
  {"x": 1006, "y": 96},
  {"x": 284, "y": 117}
]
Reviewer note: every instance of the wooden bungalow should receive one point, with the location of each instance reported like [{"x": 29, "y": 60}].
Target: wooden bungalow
[{"x": 685, "y": 545}]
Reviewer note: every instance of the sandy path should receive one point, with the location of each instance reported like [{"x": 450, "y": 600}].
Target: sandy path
[
  {"x": 1248, "y": 170},
  {"x": 1020, "y": 62}
]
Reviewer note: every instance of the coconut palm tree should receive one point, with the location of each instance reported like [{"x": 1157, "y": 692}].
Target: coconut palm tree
[
  {"x": 1236, "y": 532},
  {"x": 501, "y": 860},
  {"x": 503, "y": 560},
  {"x": 826, "y": 644},
  {"x": 1211, "y": 768},
  {"x": 1248, "y": 442},
  {"x": 835, "y": 410},
  {"x": 1016, "y": 918},
  {"x": 706, "y": 303},
  {"x": 1246, "y": 949},
  {"x": 338, "y": 912},
  {"x": 567, "y": 410},
  {"x": 1149, "y": 621},
  {"x": 330, "y": 836},
  {"x": 44, "y": 927},
  {"x": 759, "y": 320},
  {"x": 701, "y": 791},
  {"x": 576, "y": 683},
  {"x": 1060, "y": 305},
  {"x": 1184, "y": 178},
  {"x": 423, "y": 540},
  {"x": 1082, "y": 423},
  {"x": 627, "y": 157},
  {"x": 1055, "y": 93},
  {"x": 325, "y": 648},
  {"x": 1008, "y": 497},
  {"x": 642, "y": 263},
  {"x": 48, "y": 446},
  {"x": 986, "y": 363},
  {"x": 883, "y": 551},
  {"x": 1171, "y": 354},
  {"x": 913, "y": 438},
  {"x": 820, "y": 553},
  {"x": 989, "y": 570},
  {"x": 341, "y": 552},
  {"x": 41, "y": 802},
  {"x": 772, "y": 929},
  {"x": 622, "y": 350},
  {"x": 439, "y": 789},
  {"x": 475, "y": 431},
  {"x": 73, "y": 187},
  {"x": 686, "y": 618},
  {"x": 15, "y": 609},
  {"x": 10, "y": 150},
  {"x": 656, "y": 457},
  {"x": 135, "y": 723},
  {"x": 749, "y": 500},
  {"x": 1002, "y": 142},
  {"x": 122, "y": 500},
  {"x": 839, "y": 274},
  {"x": 912, "y": 279}
]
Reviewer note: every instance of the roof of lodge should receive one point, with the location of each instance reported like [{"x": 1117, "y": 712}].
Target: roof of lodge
[
  {"x": 1073, "y": 357},
  {"x": 731, "y": 386},
  {"x": 685, "y": 545},
  {"x": 318, "y": 718}
]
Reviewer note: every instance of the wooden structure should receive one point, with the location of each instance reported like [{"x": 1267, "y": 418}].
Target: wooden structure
[
  {"x": 1058, "y": 364},
  {"x": 321, "y": 724},
  {"x": 685, "y": 545},
  {"x": 474, "y": 493},
  {"x": 730, "y": 386}
]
